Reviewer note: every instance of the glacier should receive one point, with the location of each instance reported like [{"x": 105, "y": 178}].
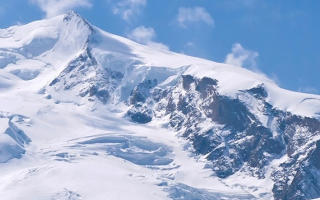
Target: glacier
[{"x": 86, "y": 114}]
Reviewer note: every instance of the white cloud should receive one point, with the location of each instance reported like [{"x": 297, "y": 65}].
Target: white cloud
[
  {"x": 240, "y": 56},
  {"x": 157, "y": 45},
  {"x": 146, "y": 35},
  {"x": 142, "y": 34},
  {"x": 128, "y": 8},
  {"x": 194, "y": 15},
  {"x": 56, "y": 7}
]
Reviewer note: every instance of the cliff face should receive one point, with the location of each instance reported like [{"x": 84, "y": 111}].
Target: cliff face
[{"x": 229, "y": 134}]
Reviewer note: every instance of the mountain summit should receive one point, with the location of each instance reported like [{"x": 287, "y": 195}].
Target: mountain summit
[{"x": 86, "y": 114}]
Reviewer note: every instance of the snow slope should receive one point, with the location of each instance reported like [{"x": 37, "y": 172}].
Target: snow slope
[
  {"x": 79, "y": 154},
  {"x": 70, "y": 147}
]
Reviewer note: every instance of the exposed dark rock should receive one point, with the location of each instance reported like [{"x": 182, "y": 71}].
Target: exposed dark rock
[
  {"x": 306, "y": 181},
  {"x": 140, "y": 114},
  {"x": 230, "y": 112},
  {"x": 171, "y": 106},
  {"x": 315, "y": 156},
  {"x": 187, "y": 80},
  {"x": 139, "y": 117},
  {"x": 140, "y": 111},
  {"x": 258, "y": 92},
  {"x": 103, "y": 95},
  {"x": 78, "y": 76},
  {"x": 202, "y": 144},
  {"x": 142, "y": 91},
  {"x": 183, "y": 105},
  {"x": 206, "y": 86},
  {"x": 56, "y": 80}
]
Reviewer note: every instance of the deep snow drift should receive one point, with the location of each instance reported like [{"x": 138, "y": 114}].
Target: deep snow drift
[{"x": 69, "y": 93}]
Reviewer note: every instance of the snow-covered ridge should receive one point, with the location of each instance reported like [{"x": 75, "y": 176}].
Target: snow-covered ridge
[{"x": 27, "y": 50}]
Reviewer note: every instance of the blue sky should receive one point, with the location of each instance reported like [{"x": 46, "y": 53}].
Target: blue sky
[{"x": 277, "y": 38}]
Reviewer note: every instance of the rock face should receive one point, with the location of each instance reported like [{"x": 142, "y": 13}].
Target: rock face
[
  {"x": 84, "y": 78},
  {"x": 221, "y": 128},
  {"x": 228, "y": 132},
  {"x": 298, "y": 177}
]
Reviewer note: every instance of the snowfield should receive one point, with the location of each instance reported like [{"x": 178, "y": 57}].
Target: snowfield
[
  {"x": 80, "y": 154},
  {"x": 57, "y": 145}
]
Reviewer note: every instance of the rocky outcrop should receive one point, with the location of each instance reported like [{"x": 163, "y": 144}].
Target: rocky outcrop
[{"x": 230, "y": 134}]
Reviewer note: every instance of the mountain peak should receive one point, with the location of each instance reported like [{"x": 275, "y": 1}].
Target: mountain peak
[{"x": 72, "y": 16}]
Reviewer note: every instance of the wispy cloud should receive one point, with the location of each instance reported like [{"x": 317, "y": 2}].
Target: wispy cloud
[
  {"x": 187, "y": 16},
  {"x": 142, "y": 34},
  {"x": 56, "y": 7},
  {"x": 240, "y": 56},
  {"x": 128, "y": 8},
  {"x": 146, "y": 35}
]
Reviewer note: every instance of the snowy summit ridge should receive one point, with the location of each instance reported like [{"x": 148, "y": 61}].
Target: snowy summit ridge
[
  {"x": 152, "y": 123},
  {"x": 63, "y": 37}
]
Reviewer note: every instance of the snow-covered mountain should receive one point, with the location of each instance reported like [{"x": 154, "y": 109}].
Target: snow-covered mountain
[{"x": 86, "y": 114}]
